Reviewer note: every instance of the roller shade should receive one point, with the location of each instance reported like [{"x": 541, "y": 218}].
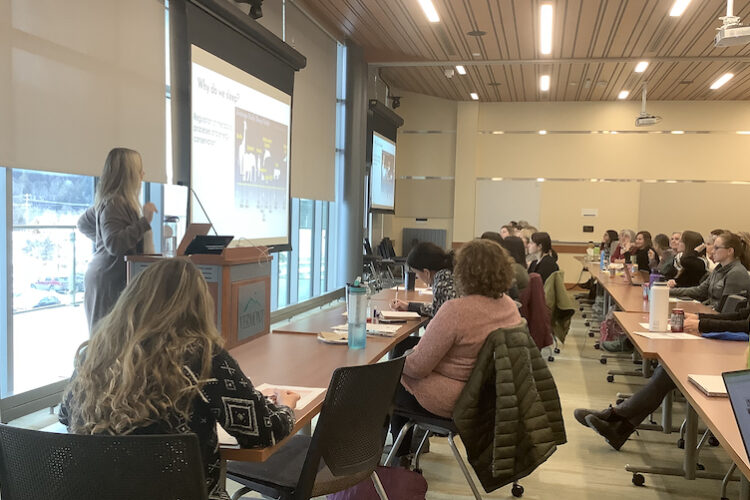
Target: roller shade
[{"x": 78, "y": 78}]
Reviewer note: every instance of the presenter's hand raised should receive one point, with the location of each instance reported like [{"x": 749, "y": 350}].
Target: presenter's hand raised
[{"x": 149, "y": 209}]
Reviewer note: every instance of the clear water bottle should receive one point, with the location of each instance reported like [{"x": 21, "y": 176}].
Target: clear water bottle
[
  {"x": 357, "y": 315},
  {"x": 603, "y": 260}
]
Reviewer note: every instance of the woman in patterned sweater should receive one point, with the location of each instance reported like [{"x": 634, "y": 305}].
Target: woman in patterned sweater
[
  {"x": 434, "y": 266},
  {"x": 155, "y": 365}
]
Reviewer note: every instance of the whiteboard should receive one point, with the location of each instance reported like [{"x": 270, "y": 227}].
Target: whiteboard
[{"x": 499, "y": 202}]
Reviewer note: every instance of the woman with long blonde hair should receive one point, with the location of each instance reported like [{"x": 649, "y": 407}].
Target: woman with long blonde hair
[
  {"x": 117, "y": 225},
  {"x": 155, "y": 365}
]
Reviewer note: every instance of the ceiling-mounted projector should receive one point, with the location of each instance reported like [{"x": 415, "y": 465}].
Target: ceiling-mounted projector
[
  {"x": 645, "y": 119},
  {"x": 731, "y": 31},
  {"x": 726, "y": 36}
]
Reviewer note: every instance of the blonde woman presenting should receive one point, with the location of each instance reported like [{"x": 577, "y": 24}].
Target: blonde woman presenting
[
  {"x": 155, "y": 365},
  {"x": 117, "y": 225}
]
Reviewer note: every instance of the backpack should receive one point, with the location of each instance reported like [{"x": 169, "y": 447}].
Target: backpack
[{"x": 398, "y": 483}]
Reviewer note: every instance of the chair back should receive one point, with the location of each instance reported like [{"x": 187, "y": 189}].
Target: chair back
[
  {"x": 732, "y": 303},
  {"x": 367, "y": 247},
  {"x": 37, "y": 464},
  {"x": 351, "y": 429}
]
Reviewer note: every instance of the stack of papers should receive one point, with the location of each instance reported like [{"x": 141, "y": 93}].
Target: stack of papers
[
  {"x": 372, "y": 329},
  {"x": 668, "y": 336},
  {"x": 399, "y": 314}
]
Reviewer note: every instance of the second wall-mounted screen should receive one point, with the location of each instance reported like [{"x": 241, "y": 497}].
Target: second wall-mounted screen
[
  {"x": 382, "y": 173},
  {"x": 240, "y": 151}
]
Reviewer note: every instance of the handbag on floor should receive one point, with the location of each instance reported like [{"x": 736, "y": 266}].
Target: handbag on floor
[{"x": 398, "y": 483}]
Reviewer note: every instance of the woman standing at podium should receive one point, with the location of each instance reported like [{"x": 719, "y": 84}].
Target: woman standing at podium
[{"x": 117, "y": 225}]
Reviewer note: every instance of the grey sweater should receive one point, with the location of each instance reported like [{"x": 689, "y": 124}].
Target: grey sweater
[
  {"x": 117, "y": 231},
  {"x": 724, "y": 280}
]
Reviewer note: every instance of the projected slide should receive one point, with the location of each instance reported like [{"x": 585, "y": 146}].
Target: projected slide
[
  {"x": 383, "y": 172},
  {"x": 240, "y": 151}
]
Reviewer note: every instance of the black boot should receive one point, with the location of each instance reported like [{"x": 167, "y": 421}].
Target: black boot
[
  {"x": 606, "y": 414},
  {"x": 615, "y": 431}
]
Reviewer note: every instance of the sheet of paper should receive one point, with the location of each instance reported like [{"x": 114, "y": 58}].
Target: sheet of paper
[
  {"x": 677, "y": 299},
  {"x": 399, "y": 314},
  {"x": 668, "y": 336},
  {"x": 711, "y": 385},
  {"x": 371, "y": 328},
  {"x": 645, "y": 325}
]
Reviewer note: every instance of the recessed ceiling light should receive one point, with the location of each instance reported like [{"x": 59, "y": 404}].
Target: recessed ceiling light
[
  {"x": 461, "y": 70},
  {"x": 678, "y": 132},
  {"x": 623, "y": 94},
  {"x": 474, "y": 96},
  {"x": 476, "y": 33},
  {"x": 573, "y": 84},
  {"x": 497, "y": 132},
  {"x": 544, "y": 83},
  {"x": 545, "y": 28},
  {"x": 743, "y": 132},
  {"x": 678, "y": 7},
  {"x": 542, "y": 132},
  {"x": 476, "y": 54},
  {"x": 429, "y": 11},
  {"x": 722, "y": 80},
  {"x": 540, "y": 179},
  {"x": 641, "y": 66}
]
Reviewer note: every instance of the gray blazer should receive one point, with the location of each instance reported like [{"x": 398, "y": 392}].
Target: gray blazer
[
  {"x": 724, "y": 280},
  {"x": 117, "y": 231}
]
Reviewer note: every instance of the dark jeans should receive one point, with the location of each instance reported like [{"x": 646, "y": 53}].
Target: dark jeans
[
  {"x": 648, "y": 399},
  {"x": 407, "y": 402}
]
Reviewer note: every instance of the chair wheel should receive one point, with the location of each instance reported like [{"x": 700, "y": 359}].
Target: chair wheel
[
  {"x": 712, "y": 441},
  {"x": 603, "y": 361},
  {"x": 700, "y": 467},
  {"x": 681, "y": 443},
  {"x": 587, "y": 323},
  {"x": 597, "y": 346},
  {"x": 591, "y": 334},
  {"x": 557, "y": 351},
  {"x": 619, "y": 401},
  {"x": 551, "y": 359},
  {"x": 517, "y": 490},
  {"x": 610, "y": 378},
  {"x": 638, "y": 479},
  {"x": 584, "y": 315}
]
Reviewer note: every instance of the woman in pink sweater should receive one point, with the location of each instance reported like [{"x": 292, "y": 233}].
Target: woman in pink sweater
[{"x": 439, "y": 366}]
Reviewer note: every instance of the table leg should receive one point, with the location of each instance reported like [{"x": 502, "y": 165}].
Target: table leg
[
  {"x": 691, "y": 438},
  {"x": 666, "y": 413}
]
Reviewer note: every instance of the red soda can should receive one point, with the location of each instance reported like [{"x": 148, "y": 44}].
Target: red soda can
[
  {"x": 645, "y": 291},
  {"x": 677, "y": 321}
]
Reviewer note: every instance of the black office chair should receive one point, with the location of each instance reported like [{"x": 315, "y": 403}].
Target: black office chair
[
  {"x": 37, "y": 464},
  {"x": 732, "y": 303},
  {"x": 439, "y": 427},
  {"x": 346, "y": 446}
]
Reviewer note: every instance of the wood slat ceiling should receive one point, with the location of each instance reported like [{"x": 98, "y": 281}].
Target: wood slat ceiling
[{"x": 596, "y": 44}]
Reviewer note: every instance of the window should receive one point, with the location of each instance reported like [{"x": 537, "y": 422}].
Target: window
[{"x": 50, "y": 258}]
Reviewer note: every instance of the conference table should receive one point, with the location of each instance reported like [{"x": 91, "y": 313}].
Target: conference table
[
  {"x": 292, "y": 355},
  {"x": 681, "y": 358}
]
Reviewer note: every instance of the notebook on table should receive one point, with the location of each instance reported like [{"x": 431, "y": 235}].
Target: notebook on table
[{"x": 710, "y": 385}]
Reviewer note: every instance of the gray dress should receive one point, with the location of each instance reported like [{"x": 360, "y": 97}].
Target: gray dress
[{"x": 117, "y": 231}]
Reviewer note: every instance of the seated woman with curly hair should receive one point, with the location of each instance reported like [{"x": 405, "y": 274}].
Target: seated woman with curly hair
[
  {"x": 155, "y": 365},
  {"x": 439, "y": 366}
]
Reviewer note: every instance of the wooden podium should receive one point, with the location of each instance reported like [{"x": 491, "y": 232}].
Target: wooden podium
[{"x": 240, "y": 283}]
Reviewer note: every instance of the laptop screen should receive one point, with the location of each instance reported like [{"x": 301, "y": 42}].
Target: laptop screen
[{"x": 738, "y": 389}]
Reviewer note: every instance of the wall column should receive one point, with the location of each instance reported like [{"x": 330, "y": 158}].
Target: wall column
[{"x": 466, "y": 166}]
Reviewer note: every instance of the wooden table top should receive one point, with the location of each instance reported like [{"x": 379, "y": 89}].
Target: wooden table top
[
  {"x": 701, "y": 357},
  {"x": 300, "y": 359},
  {"x": 710, "y": 357}
]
